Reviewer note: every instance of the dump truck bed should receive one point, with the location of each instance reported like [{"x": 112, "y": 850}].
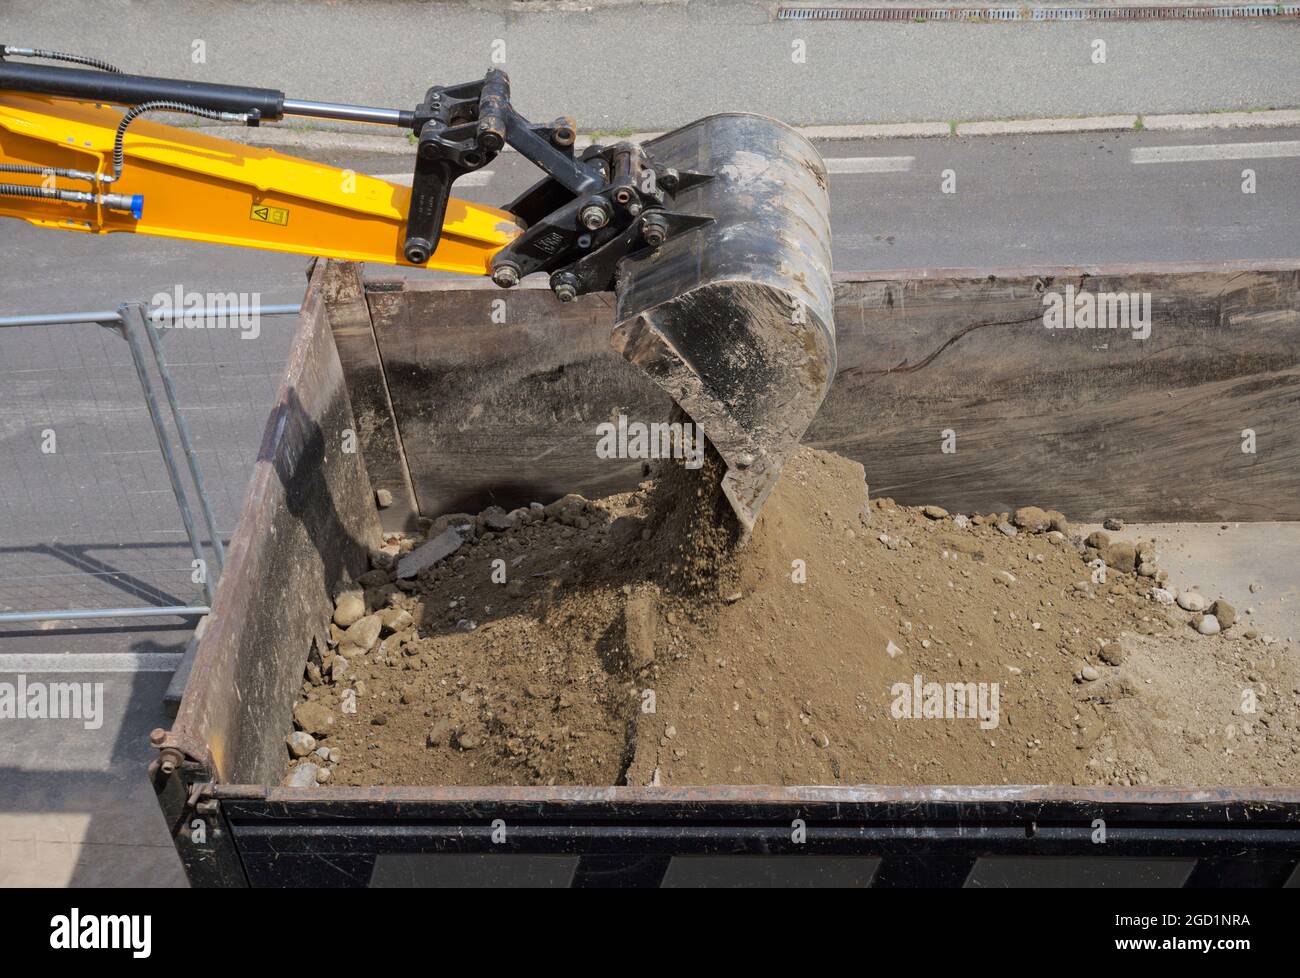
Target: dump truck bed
[{"x": 309, "y": 522}]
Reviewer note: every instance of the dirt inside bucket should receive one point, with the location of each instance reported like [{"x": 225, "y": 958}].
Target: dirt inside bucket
[{"x": 625, "y": 641}]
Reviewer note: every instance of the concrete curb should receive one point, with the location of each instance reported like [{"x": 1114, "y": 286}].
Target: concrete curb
[{"x": 359, "y": 142}]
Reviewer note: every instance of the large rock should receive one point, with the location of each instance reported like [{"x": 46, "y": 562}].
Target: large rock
[
  {"x": 567, "y": 509},
  {"x": 316, "y": 719},
  {"x": 396, "y": 619},
  {"x": 1033, "y": 519},
  {"x": 302, "y": 776},
  {"x": 1121, "y": 556},
  {"x": 364, "y": 633},
  {"x": 300, "y": 743},
  {"x": 348, "y": 607}
]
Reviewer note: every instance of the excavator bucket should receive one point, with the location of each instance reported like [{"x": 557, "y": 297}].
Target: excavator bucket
[{"x": 733, "y": 319}]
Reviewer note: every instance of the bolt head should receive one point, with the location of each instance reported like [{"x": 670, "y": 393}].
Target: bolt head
[
  {"x": 593, "y": 217},
  {"x": 506, "y": 276},
  {"x": 565, "y": 292}
]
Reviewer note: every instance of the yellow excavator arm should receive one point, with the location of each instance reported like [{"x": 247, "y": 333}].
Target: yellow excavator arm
[
  {"x": 200, "y": 188},
  {"x": 714, "y": 238}
]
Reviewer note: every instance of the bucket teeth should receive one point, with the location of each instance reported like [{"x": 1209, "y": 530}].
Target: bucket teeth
[{"x": 733, "y": 319}]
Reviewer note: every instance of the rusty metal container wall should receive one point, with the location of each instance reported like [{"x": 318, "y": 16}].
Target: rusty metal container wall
[{"x": 308, "y": 522}]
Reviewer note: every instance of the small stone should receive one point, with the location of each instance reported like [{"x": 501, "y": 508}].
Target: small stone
[
  {"x": 300, "y": 743},
  {"x": 934, "y": 512},
  {"x": 373, "y": 579},
  {"x": 1006, "y": 529},
  {"x": 1056, "y": 538},
  {"x": 323, "y": 774},
  {"x": 383, "y": 498},
  {"x": 1209, "y": 625},
  {"x": 364, "y": 632},
  {"x": 732, "y": 598},
  {"x": 1192, "y": 601},
  {"x": 1225, "y": 612},
  {"x": 1113, "y": 523},
  {"x": 1089, "y": 673},
  {"x": 438, "y": 734},
  {"x": 1162, "y": 596},
  {"x": 960, "y": 522},
  {"x": 498, "y": 521},
  {"x": 820, "y": 739},
  {"x": 1113, "y": 654},
  {"x": 1098, "y": 540},
  {"x": 468, "y": 741},
  {"x": 348, "y": 608}
]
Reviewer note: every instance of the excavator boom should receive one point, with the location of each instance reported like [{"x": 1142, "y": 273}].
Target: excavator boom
[{"x": 196, "y": 187}]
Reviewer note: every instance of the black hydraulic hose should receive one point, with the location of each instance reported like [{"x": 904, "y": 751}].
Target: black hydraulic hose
[
  {"x": 45, "y": 171},
  {"x": 133, "y": 113},
  {"x": 19, "y": 190},
  {"x": 42, "y": 54}
]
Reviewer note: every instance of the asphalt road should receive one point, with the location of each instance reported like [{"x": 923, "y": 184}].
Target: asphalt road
[
  {"x": 652, "y": 66},
  {"x": 94, "y": 524}
]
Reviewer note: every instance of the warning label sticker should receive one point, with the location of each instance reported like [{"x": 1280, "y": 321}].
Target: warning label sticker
[{"x": 269, "y": 215}]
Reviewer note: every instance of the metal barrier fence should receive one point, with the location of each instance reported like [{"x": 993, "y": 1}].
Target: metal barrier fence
[{"x": 88, "y": 460}]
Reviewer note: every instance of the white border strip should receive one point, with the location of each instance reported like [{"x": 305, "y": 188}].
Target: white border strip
[
  {"x": 89, "y": 661},
  {"x": 868, "y": 164},
  {"x": 1208, "y": 152}
]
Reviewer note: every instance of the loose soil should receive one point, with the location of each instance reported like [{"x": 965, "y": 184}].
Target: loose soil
[{"x": 626, "y": 641}]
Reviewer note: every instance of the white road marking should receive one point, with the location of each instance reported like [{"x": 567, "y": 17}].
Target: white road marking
[
  {"x": 89, "y": 661},
  {"x": 869, "y": 164},
  {"x": 479, "y": 178},
  {"x": 1214, "y": 151}
]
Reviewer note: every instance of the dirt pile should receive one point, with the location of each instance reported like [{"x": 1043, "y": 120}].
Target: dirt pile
[{"x": 617, "y": 641}]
